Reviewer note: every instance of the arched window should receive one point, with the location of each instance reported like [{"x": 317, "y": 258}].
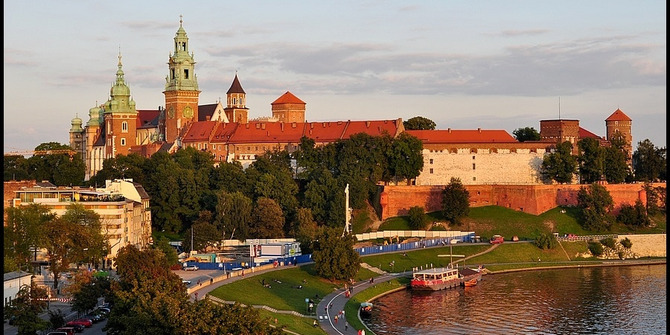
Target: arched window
[
  {"x": 124, "y": 126},
  {"x": 123, "y": 142}
]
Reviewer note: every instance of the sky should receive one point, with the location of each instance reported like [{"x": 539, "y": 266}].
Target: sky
[{"x": 463, "y": 64}]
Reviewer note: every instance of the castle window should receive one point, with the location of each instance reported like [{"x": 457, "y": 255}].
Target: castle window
[
  {"x": 431, "y": 161},
  {"x": 124, "y": 126},
  {"x": 473, "y": 157},
  {"x": 474, "y": 178},
  {"x": 123, "y": 142},
  {"x": 431, "y": 171},
  {"x": 185, "y": 73},
  {"x": 172, "y": 74},
  {"x": 473, "y": 166}
]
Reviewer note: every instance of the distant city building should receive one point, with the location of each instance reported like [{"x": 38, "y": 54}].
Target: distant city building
[
  {"x": 12, "y": 284},
  {"x": 123, "y": 207},
  {"x": 475, "y": 156}
]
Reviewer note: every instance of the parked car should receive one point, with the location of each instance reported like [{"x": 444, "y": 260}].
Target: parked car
[
  {"x": 191, "y": 268},
  {"x": 57, "y": 332},
  {"x": 497, "y": 239},
  {"x": 186, "y": 282},
  {"x": 85, "y": 322},
  {"x": 70, "y": 330},
  {"x": 95, "y": 316}
]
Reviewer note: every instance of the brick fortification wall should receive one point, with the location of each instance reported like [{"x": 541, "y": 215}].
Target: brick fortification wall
[{"x": 532, "y": 199}]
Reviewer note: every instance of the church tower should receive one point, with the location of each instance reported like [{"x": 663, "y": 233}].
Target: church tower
[
  {"x": 120, "y": 118},
  {"x": 236, "y": 100},
  {"x": 620, "y": 124},
  {"x": 181, "y": 88}
]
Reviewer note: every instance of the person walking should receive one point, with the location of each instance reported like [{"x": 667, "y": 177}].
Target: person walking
[{"x": 346, "y": 325}]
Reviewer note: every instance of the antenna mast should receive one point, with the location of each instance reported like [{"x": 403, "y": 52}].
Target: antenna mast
[{"x": 559, "y": 108}]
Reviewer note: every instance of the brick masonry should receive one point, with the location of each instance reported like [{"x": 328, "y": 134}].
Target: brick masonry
[{"x": 532, "y": 199}]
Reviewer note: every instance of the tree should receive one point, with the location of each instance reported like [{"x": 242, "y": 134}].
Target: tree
[
  {"x": 546, "y": 241},
  {"x": 649, "y": 162},
  {"x": 233, "y": 214},
  {"x": 30, "y": 301},
  {"x": 595, "y": 204},
  {"x": 616, "y": 170},
  {"x": 16, "y": 168},
  {"x": 334, "y": 255},
  {"x": 267, "y": 219},
  {"x": 305, "y": 230},
  {"x": 204, "y": 235},
  {"x": 86, "y": 289},
  {"x": 591, "y": 160},
  {"x": 560, "y": 165},
  {"x": 419, "y": 123},
  {"x": 634, "y": 216},
  {"x": 73, "y": 238},
  {"x": 169, "y": 251},
  {"x": 417, "y": 218},
  {"x": 24, "y": 231},
  {"x": 325, "y": 198},
  {"x": 526, "y": 134},
  {"x": 405, "y": 157},
  {"x": 455, "y": 201}
]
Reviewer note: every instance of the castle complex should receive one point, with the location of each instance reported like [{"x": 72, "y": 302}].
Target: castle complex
[{"x": 477, "y": 157}]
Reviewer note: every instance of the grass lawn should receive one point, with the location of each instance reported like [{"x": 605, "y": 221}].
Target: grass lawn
[
  {"x": 293, "y": 323},
  {"x": 421, "y": 257}
]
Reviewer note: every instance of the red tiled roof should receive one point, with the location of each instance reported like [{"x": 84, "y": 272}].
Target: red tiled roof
[
  {"x": 583, "y": 133},
  {"x": 288, "y": 98},
  {"x": 199, "y": 131},
  {"x": 145, "y": 118},
  {"x": 373, "y": 128},
  {"x": 462, "y": 136},
  {"x": 618, "y": 115},
  {"x": 224, "y": 131},
  {"x": 264, "y": 132},
  {"x": 325, "y": 131}
]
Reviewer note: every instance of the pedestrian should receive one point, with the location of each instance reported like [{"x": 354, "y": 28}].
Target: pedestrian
[
  {"x": 314, "y": 324},
  {"x": 331, "y": 306},
  {"x": 346, "y": 325},
  {"x": 211, "y": 281},
  {"x": 335, "y": 319}
]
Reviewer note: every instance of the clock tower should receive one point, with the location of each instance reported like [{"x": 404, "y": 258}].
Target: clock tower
[{"x": 181, "y": 88}]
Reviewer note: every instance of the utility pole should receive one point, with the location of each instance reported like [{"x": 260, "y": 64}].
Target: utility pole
[{"x": 347, "y": 214}]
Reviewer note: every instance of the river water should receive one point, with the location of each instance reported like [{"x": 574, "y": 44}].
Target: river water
[{"x": 599, "y": 300}]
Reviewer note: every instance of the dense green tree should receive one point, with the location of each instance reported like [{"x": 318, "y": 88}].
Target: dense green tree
[
  {"x": 24, "y": 232},
  {"x": 213, "y": 319},
  {"x": 74, "y": 237},
  {"x": 526, "y": 134},
  {"x": 148, "y": 297},
  {"x": 595, "y": 204},
  {"x": 616, "y": 168},
  {"x": 591, "y": 160},
  {"x": 26, "y": 307},
  {"x": 419, "y": 123},
  {"x": 267, "y": 219},
  {"x": 334, "y": 255},
  {"x": 417, "y": 218},
  {"x": 405, "y": 158},
  {"x": 52, "y": 146},
  {"x": 649, "y": 162},
  {"x": 85, "y": 290},
  {"x": 596, "y": 248},
  {"x": 163, "y": 187},
  {"x": 121, "y": 167},
  {"x": 634, "y": 216},
  {"x": 455, "y": 201},
  {"x": 233, "y": 215},
  {"x": 546, "y": 241},
  {"x": 273, "y": 178},
  {"x": 229, "y": 177},
  {"x": 169, "y": 251},
  {"x": 204, "y": 235},
  {"x": 307, "y": 156},
  {"x": 305, "y": 230},
  {"x": 325, "y": 198},
  {"x": 655, "y": 196},
  {"x": 560, "y": 165},
  {"x": 16, "y": 168}
]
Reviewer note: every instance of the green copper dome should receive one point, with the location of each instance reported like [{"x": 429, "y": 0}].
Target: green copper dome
[
  {"x": 94, "y": 117},
  {"x": 76, "y": 125},
  {"x": 120, "y": 88}
]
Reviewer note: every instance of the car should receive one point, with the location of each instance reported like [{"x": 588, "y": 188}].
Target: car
[
  {"x": 85, "y": 322},
  {"x": 191, "y": 268},
  {"x": 71, "y": 330},
  {"x": 497, "y": 239},
  {"x": 95, "y": 316},
  {"x": 515, "y": 238},
  {"x": 186, "y": 282}
]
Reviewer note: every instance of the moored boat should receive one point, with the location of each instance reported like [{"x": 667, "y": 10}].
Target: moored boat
[
  {"x": 435, "y": 279},
  {"x": 470, "y": 283},
  {"x": 366, "y": 308},
  {"x": 470, "y": 277}
]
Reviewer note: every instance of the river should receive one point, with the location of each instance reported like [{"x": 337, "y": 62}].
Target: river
[{"x": 598, "y": 300}]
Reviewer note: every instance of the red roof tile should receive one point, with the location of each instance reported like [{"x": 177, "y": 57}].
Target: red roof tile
[
  {"x": 288, "y": 98},
  {"x": 268, "y": 132},
  {"x": 199, "y": 131},
  {"x": 236, "y": 87},
  {"x": 618, "y": 115},
  {"x": 145, "y": 118},
  {"x": 583, "y": 133},
  {"x": 462, "y": 136},
  {"x": 224, "y": 131}
]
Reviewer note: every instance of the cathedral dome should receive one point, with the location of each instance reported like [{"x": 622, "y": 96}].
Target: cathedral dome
[{"x": 76, "y": 125}]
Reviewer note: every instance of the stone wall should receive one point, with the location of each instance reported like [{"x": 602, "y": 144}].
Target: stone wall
[
  {"x": 532, "y": 199},
  {"x": 647, "y": 245},
  {"x": 9, "y": 188}
]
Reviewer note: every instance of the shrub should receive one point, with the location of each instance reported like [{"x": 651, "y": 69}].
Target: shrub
[
  {"x": 608, "y": 242},
  {"x": 626, "y": 243},
  {"x": 596, "y": 248},
  {"x": 546, "y": 241},
  {"x": 417, "y": 218}
]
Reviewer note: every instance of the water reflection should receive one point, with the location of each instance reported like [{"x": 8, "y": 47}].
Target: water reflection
[{"x": 608, "y": 300}]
